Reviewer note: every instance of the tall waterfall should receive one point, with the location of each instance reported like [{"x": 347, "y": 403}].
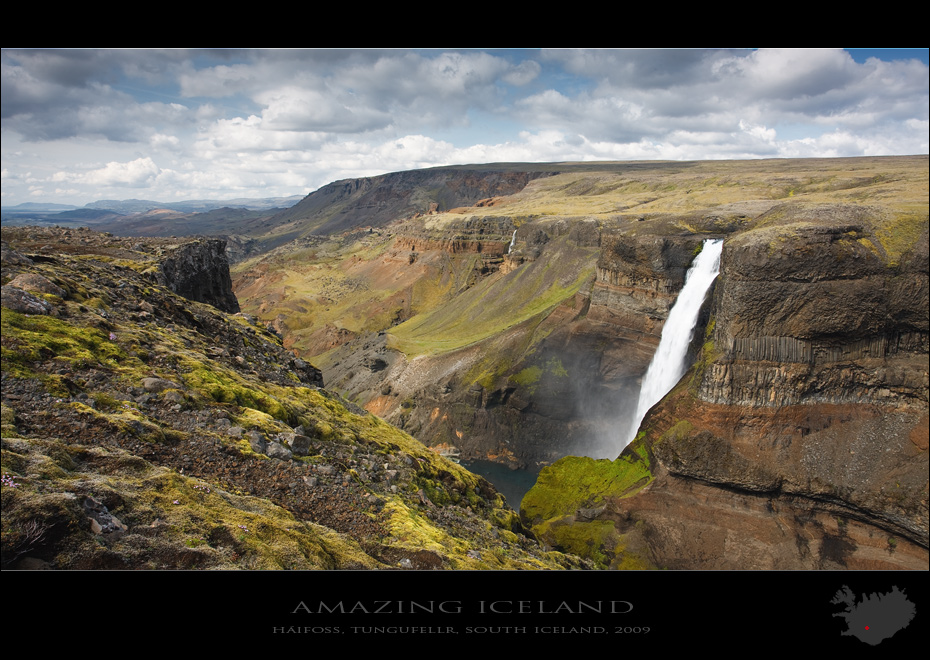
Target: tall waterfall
[
  {"x": 513, "y": 239},
  {"x": 668, "y": 364}
]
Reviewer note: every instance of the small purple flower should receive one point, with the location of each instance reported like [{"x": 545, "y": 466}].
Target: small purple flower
[
  {"x": 112, "y": 336},
  {"x": 176, "y": 502}
]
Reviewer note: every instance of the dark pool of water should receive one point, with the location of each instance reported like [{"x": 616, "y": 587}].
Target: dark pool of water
[{"x": 512, "y": 484}]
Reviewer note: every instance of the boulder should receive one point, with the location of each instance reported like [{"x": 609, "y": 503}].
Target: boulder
[{"x": 17, "y": 300}]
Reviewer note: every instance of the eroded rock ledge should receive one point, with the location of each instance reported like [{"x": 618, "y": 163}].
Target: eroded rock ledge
[
  {"x": 193, "y": 267},
  {"x": 199, "y": 271}
]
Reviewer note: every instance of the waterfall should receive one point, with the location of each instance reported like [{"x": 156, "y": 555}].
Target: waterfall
[
  {"x": 513, "y": 240},
  {"x": 668, "y": 364}
]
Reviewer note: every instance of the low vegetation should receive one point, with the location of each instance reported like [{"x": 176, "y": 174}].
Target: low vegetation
[{"x": 565, "y": 505}]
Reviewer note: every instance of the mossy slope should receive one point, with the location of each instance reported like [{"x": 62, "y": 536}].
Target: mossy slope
[
  {"x": 566, "y": 508},
  {"x": 178, "y": 419}
]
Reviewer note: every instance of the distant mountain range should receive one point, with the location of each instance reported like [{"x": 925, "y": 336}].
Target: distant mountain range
[
  {"x": 109, "y": 209},
  {"x": 29, "y": 207},
  {"x": 129, "y": 206}
]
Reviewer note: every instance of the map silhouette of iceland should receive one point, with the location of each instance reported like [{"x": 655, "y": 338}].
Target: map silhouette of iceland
[{"x": 877, "y": 616}]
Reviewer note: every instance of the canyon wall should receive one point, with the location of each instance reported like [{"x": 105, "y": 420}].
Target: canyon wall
[
  {"x": 539, "y": 384},
  {"x": 199, "y": 271},
  {"x": 376, "y": 201},
  {"x": 801, "y": 430},
  {"x": 480, "y": 376}
]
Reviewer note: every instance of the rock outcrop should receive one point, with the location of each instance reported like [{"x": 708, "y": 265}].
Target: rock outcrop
[
  {"x": 817, "y": 313},
  {"x": 196, "y": 268},
  {"x": 199, "y": 271},
  {"x": 489, "y": 237}
]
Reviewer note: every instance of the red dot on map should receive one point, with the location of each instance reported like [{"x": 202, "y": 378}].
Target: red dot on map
[{"x": 866, "y": 627}]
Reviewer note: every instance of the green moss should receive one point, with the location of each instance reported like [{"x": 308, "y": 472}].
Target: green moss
[
  {"x": 434, "y": 492},
  {"x": 413, "y": 530},
  {"x": 256, "y": 419},
  {"x": 575, "y": 482},
  {"x": 125, "y": 419},
  {"x": 705, "y": 358},
  {"x": 106, "y": 403},
  {"x": 709, "y": 329},
  {"x": 899, "y": 235},
  {"x": 682, "y": 430},
  {"x": 485, "y": 310},
  {"x": 34, "y": 338},
  {"x": 528, "y": 376},
  {"x": 8, "y": 421},
  {"x": 223, "y": 386},
  {"x": 554, "y": 366},
  {"x": 324, "y": 430},
  {"x": 98, "y": 303},
  {"x": 597, "y": 540}
]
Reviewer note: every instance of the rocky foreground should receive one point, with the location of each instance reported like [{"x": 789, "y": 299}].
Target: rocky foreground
[{"x": 146, "y": 427}]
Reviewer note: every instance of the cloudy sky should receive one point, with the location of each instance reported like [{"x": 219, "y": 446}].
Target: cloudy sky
[{"x": 168, "y": 125}]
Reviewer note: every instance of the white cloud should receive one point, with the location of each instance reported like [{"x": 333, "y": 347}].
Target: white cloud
[
  {"x": 133, "y": 174},
  {"x": 295, "y": 109},
  {"x": 162, "y": 141},
  {"x": 787, "y": 73},
  {"x": 523, "y": 74},
  {"x": 220, "y": 81},
  {"x": 759, "y": 132}
]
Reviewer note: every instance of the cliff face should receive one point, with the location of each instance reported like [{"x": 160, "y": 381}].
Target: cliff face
[
  {"x": 638, "y": 278},
  {"x": 802, "y": 429},
  {"x": 199, "y": 271},
  {"x": 489, "y": 370},
  {"x": 843, "y": 321},
  {"x": 377, "y": 201},
  {"x": 489, "y": 237}
]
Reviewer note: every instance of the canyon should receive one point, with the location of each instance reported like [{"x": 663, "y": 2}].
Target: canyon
[
  {"x": 509, "y": 313},
  {"x": 518, "y": 330}
]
